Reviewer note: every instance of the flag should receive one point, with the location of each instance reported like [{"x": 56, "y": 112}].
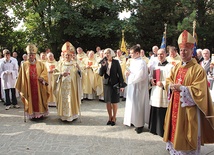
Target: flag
[
  {"x": 163, "y": 43},
  {"x": 194, "y": 50},
  {"x": 195, "y": 45},
  {"x": 123, "y": 44}
]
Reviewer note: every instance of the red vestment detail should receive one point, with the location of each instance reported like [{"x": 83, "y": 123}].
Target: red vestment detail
[
  {"x": 34, "y": 87},
  {"x": 176, "y": 100}
]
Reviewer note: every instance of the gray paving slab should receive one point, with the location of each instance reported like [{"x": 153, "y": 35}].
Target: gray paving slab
[{"x": 51, "y": 136}]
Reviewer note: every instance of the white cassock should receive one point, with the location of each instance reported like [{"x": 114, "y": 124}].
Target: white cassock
[{"x": 137, "y": 99}]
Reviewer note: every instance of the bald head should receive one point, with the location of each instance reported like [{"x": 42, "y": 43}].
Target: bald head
[{"x": 161, "y": 54}]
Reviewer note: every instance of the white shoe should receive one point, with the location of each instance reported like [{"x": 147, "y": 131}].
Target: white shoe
[
  {"x": 7, "y": 107},
  {"x": 16, "y": 106}
]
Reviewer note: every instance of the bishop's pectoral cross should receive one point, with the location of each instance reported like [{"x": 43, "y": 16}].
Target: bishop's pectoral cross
[
  {"x": 180, "y": 76},
  {"x": 33, "y": 73},
  {"x": 179, "y": 80}
]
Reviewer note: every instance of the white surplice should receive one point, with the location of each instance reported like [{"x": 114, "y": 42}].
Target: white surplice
[
  {"x": 9, "y": 73},
  {"x": 137, "y": 99}
]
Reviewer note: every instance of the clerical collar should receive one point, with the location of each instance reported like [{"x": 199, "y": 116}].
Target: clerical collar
[
  {"x": 32, "y": 62},
  {"x": 5, "y": 60},
  {"x": 163, "y": 63},
  {"x": 185, "y": 63}
]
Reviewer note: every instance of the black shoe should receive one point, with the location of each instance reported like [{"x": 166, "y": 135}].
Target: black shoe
[
  {"x": 139, "y": 130},
  {"x": 123, "y": 99},
  {"x": 113, "y": 123},
  {"x": 108, "y": 123}
]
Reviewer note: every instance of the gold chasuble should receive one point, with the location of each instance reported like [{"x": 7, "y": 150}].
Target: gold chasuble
[
  {"x": 122, "y": 61},
  {"x": 90, "y": 65},
  {"x": 34, "y": 94},
  {"x": 81, "y": 56},
  {"x": 51, "y": 65},
  {"x": 174, "y": 60},
  {"x": 98, "y": 80},
  {"x": 67, "y": 91},
  {"x": 181, "y": 123}
]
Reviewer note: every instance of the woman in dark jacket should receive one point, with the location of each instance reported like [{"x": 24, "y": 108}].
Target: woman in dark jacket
[{"x": 113, "y": 83}]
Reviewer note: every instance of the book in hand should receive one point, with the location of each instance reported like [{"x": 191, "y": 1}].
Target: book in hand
[
  {"x": 90, "y": 63},
  {"x": 51, "y": 67},
  {"x": 156, "y": 75}
]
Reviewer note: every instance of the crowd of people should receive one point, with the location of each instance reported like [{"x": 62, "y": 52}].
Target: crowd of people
[{"x": 170, "y": 91}]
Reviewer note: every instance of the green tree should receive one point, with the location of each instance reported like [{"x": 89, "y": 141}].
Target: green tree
[
  {"x": 6, "y": 27},
  {"x": 149, "y": 17},
  {"x": 83, "y": 23},
  {"x": 205, "y": 24},
  {"x": 88, "y": 23}
]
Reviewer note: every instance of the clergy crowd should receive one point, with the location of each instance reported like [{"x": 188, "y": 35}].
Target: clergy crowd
[{"x": 171, "y": 90}]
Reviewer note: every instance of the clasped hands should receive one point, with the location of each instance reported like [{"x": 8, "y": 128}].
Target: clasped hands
[
  {"x": 175, "y": 87},
  {"x": 7, "y": 72},
  {"x": 88, "y": 66}
]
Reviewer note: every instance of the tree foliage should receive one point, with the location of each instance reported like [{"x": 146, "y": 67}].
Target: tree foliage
[
  {"x": 91, "y": 23},
  {"x": 6, "y": 27}
]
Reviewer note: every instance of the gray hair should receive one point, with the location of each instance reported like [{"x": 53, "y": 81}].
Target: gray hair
[
  {"x": 50, "y": 54},
  {"x": 199, "y": 50},
  {"x": 206, "y": 50},
  {"x": 112, "y": 53}
]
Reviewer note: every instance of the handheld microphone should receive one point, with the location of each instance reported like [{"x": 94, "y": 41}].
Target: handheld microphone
[{"x": 103, "y": 60}]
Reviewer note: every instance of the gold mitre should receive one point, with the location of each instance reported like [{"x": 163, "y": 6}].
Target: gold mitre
[
  {"x": 186, "y": 40},
  {"x": 6, "y": 51},
  {"x": 31, "y": 49},
  {"x": 68, "y": 47}
]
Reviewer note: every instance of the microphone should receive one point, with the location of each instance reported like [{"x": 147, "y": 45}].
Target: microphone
[{"x": 103, "y": 60}]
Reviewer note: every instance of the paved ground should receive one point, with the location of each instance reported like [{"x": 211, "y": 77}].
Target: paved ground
[{"x": 51, "y": 136}]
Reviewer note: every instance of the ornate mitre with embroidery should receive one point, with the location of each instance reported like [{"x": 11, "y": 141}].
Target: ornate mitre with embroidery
[
  {"x": 186, "y": 40},
  {"x": 68, "y": 47},
  {"x": 31, "y": 49}
]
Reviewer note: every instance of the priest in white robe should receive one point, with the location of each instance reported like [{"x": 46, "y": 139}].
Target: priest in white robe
[
  {"x": 9, "y": 72},
  {"x": 137, "y": 99}
]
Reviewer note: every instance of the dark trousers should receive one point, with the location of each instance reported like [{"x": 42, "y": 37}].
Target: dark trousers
[{"x": 7, "y": 96}]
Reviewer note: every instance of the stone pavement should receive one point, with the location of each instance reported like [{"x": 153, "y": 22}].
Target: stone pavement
[{"x": 92, "y": 136}]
